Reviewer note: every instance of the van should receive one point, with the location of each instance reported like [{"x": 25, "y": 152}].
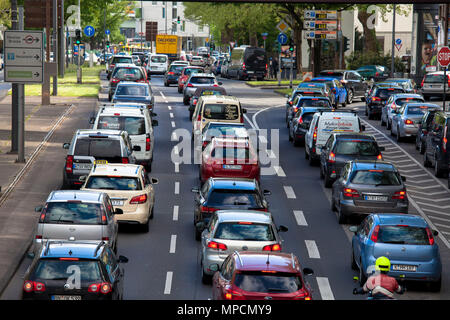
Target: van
[
  {"x": 216, "y": 108},
  {"x": 323, "y": 124},
  {"x": 248, "y": 62},
  {"x": 157, "y": 64}
]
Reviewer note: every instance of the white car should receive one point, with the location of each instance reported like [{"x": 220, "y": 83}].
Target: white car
[{"x": 157, "y": 64}]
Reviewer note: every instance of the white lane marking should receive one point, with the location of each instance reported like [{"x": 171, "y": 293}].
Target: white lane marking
[
  {"x": 173, "y": 124},
  {"x": 433, "y": 205},
  {"x": 174, "y": 136},
  {"x": 428, "y": 199},
  {"x": 324, "y": 288},
  {"x": 177, "y": 187},
  {"x": 263, "y": 139},
  {"x": 279, "y": 171},
  {"x": 168, "y": 286},
  {"x": 249, "y": 122},
  {"x": 436, "y": 212},
  {"x": 300, "y": 218},
  {"x": 437, "y": 218},
  {"x": 175, "y": 150},
  {"x": 175, "y": 213},
  {"x": 171, "y": 115},
  {"x": 169, "y": 107},
  {"x": 173, "y": 243},
  {"x": 290, "y": 194},
  {"x": 177, "y": 167},
  {"x": 313, "y": 251},
  {"x": 163, "y": 96}
]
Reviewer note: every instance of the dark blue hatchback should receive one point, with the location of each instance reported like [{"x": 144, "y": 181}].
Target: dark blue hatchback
[{"x": 337, "y": 89}]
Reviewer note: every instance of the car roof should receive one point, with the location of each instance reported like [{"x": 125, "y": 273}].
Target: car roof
[
  {"x": 230, "y": 142},
  {"x": 407, "y": 95},
  {"x": 201, "y": 89},
  {"x": 81, "y": 195},
  {"x": 127, "y": 65},
  {"x": 225, "y": 124},
  {"x": 244, "y": 215},
  {"x": 220, "y": 99},
  {"x": 372, "y": 164},
  {"x": 109, "y": 132},
  {"x": 414, "y": 104},
  {"x": 323, "y": 78},
  {"x": 233, "y": 183},
  {"x": 389, "y": 85},
  {"x": 209, "y": 75},
  {"x": 274, "y": 261},
  {"x": 119, "y": 169},
  {"x": 122, "y": 111},
  {"x": 132, "y": 83},
  {"x": 398, "y": 218},
  {"x": 397, "y": 79},
  {"x": 355, "y": 135},
  {"x": 66, "y": 249},
  {"x": 313, "y": 109},
  {"x": 121, "y": 56}
]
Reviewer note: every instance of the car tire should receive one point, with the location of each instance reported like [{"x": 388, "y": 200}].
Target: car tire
[
  {"x": 341, "y": 217},
  {"x": 388, "y": 125},
  {"x": 321, "y": 175},
  {"x": 366, "y": 113},
  {"x": 382, "y": 122},
  {"x": 179, "y": 90},
  {"x": 152, "y": 213},
  {"x": 312, "y": 162},
  {"x": 296, "y": 142},
  {"x": 306, "y": 154},
  {"x": 206, "y": 278},
  {"x": 328, "y": 181},
  {"x": 350, "y": 95},
  {"x": 426, "y": 161},
  {"x": 438, "y": 172},
  {"x": 185, "y": 101},
  {"x": 353, "y": 264},
  {"x": 397, "y": 136},
  {"x": 146, "y": 226},
  {"x": 333, "y": 204},
  {"x": 198, "y": 234},
  {"x": 289, "y": 135},
  {"x": 363, "y": 99},
  {"x": 362, "y": 276},
  {"x": 435, "y": 286},
  {"x": 344, "y": 104},
  {"x": 422, "y": 148}
]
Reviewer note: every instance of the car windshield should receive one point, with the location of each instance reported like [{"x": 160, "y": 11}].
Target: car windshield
[
  {"x": 403, "y": 235},
  {"x": 265, "y": 282},
  {"x": 314, "y": 103},
  {"x": 113, "y": 183},
  {"x": 245, "y": 231},
  {"x": 75, "y": 212},
  {"x": 221, "y": 111},
  {"x": 130, "y": 74},
  {"x": 224, "y": 197},
  {"x": 402, "y": 101},
  {"x": 202, "y": 80},
  {"x": 386, "y": 93},
  {"x": 189, "y": 71},
  {"x": 59, "y": 269},
  {"x": 356, "y": 147},
  {"x": 376, "y": 177},
  {"x": 131, "y": 90},
  {"x": 133, "y": 125},
  {"x": 418, "y": 110},
  {"x": 158, "y": 59},
  {"x": 230, "y": 153},
  {"x": 100, "y": 148}
]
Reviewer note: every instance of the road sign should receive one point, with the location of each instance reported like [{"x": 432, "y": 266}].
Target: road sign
[
  {"x": 320, "y": 24},
  {"x": 282, "y": 38},
  {"x": 317, "y": 34},
  {"x": 282, "y": 26},
  {"x": 107, "y": 32},
  {"x": 321, "y": 14},
  {"x": 398, "y": 41},
  {"x": 89, "y": 31},
  {"x": 443, "y": 56}
]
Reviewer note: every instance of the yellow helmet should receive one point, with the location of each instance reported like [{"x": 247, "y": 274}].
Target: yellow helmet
[{"x": 383, "y": 264}]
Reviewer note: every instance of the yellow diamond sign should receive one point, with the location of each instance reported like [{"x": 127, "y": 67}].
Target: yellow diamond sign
[{"x": 282, "y": 26}]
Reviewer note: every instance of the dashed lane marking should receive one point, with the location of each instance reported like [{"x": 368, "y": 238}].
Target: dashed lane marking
[
  {"x": 175, "y": 213},
  {"x": 313, "y": 250},
  {"x": 324, "y": 288},
  {"x": 300, "y": 218},
  {"x": 168, "y": 286},
  {"x": 290, "y": 194}
]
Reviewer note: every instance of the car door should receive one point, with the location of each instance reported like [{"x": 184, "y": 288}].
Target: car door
[
  {"x": 111, "y": 228},
  {"x": 359, "y": 240},
  {"x": 115, "y": 274},
  {"x": 359, "y": 84},
  {"x": 224, "y": 278},
  {"x": 148, "y": 188},
  {"x": 325, "y": 152},
  {"x": 433, "y": 137},
  {"x": 339, "y": 184}
]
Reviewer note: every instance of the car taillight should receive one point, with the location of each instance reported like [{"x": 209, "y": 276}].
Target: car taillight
[
  {"x": 430, "y": 237},
  {"x": 115, "y": 80},
  {"x": 400, "y": 195},
  {"x": 376, "y": 99},
  {"x": 423, "y": 80},
  {"x": 379, "y": 157},
  {"x": 190, "y": 85},
  {"x": 300, "y": 120},
  {"x": 331, "y": 157},
  {"x": 302, "y": 296},
  {"x": 170, "y": 73},
  {"x": 207, "y": 209},
  {"x": 147, "y": 144},
  {"x": 69, "y": 164},
  {"x": 105, "y": 238},
  {"x": 374, "y": 236},
  {"x": 35, "y": 286},
  {"x": 444, "y": 140},
  {"x": 315, "y": 134},
  {"x": 272, "y": 247},
  {"x": 233, "y": 295},
  {"x": 199, "y": 118},
  {"x": 295, "y": 109},
  {"x": 124, "y": 160},
  {"x": 103, "y": 287},
  {"x": 407, "y": 121},
  {"x": 351, "y": 193},
  {"x": 205, "y": 143},
  {"x": 28, "y": 286},
  {"x": 217, "y": 245},
  {"x": 290, "y": 103},
  {"x": 377, "y": 74},
  {"x": 266, "y": 66},
  {"x": 243, "y": 66},
  {"x": 194, "y": 102},
  {"x": 139, "y": 199}
]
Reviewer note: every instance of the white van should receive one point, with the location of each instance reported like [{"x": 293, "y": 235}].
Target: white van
[
  {"x": 322, "y": 125},
  {"x": 157, "y": 64}
]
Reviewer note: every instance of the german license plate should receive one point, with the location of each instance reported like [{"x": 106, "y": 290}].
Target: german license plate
[
  {"x": 250, "y": 72},
  {"x": 375, "y": 198},
  {"x": 232, "y": 167},
  {"x": 117, "y": 202},
  {"x": 404, "y": 267},
  {"x": 101, "y": 162},
  {"x": 66, "y": 297},
  {"x": 82, "y": 166}
]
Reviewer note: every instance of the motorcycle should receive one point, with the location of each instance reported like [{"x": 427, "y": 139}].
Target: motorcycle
[{"x": 379, "y": 296}]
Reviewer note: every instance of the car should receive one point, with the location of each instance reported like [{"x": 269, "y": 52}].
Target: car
[
  {"x": 129, "y": 91},
  {"x": 323, "y": 124},
  {"x": 204, "y": 91},
  {"x": 423, "y": 128},
  {"x": 116, "y": 59},
  {"x": 368, "y": 186},
  {"x": 224, "y": 68},
  {"x": 142, "y": 57},
  {"x": 374, "y": 72},
  {"x": 125, "y": 72},
  {"x": 320, "y": 85},
  {"x": 310, "y": 91},
  {"x": 246, "y": 275},
  {"x": 230, "y": 230},
  {"x": 406, "y": 119},
  {"x": 51, "y": 273},
  {"x": 198, "y": 80},
  {"x": 172, "y": 74},
  {"x": 223, "y": 130},
  {"x": 129, "y": 189},
  {"x": 299, "y": 124},
  {"x": 437, "y": 144},
  {"x": 227, "y": 194},
  {"x": 180, "y": 62},
  {"x": 337, "y": 89},
  {"x": 343, "y": 147},
  {"x": 377, "y": 98},
  {"x": 89, "y": 145},
  {"x": 354, "y": 83},
  {"x": 304, "y": 99},
  {"x": 217, "y": 65},
  {"x": 408, "y": 84},
  {"x": 75, "y": 215},
  {"x": 248, "y": 62},
  {"x": 137, "y": 122},
  {"x": 185, "y": 73},
  {"x": 157, "y": 64},
  {"x": 229, "y": 157},
  {"x": 407, "y": 240},
  {"x": 433, "y": 85},
  {"x": 136, "y": 60},
  {"x": 395, "y": 101},
  {"x": 197, "y": 61}
]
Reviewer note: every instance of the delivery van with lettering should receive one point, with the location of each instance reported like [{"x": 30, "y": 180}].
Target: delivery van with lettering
[{"x": 325, "y": 123}]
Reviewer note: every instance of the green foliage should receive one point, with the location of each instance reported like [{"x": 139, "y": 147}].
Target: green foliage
[{"x": 359, "y": 58}]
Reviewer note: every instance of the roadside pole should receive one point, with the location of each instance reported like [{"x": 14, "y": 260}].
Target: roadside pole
[
  {"x": 14, "y": 89},
  {"x": 393, "y": 44},
  {"x": 445, "y": 44},
  {"x": 291, "y": 71},
  {"x": 55, "y": 46},
  {"x": 21, "y": 108}
]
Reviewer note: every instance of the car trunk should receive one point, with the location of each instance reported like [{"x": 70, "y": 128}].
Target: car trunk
[
  {"x": 404, "y": 253},
  {"x": 241, "y": 245},
  {"x": 72, "y": 232},
  {"x": 376, "y": 197},
  {"x": 232, "y": 168}
]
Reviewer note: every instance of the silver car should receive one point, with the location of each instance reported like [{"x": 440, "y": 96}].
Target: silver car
[
  {"x": 236, "y": 230},
  {"x": 197, "y": 80},
  {"x": 395, "y": 101},
  {"x": 76, "y": 215},
  {"x": 406, "y": 119},
  {"x": 433, "y": 85}
]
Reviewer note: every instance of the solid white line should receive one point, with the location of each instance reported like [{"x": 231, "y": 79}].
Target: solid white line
[
  {"x": 168, "y": 286},
  {"x": 175, "y": 213},
  {"x": 173, "y": 124},
  {"x": 289, "y": 192},
  {"x": 324, "y": 288},
  {"x": 249, "y": 122},
  {"x": 173, "y": 243},
  {"x": 177, "y": 167},
  {"x": 177, "y": 187},
  {"x": 256, "y": 114},
  {"x": 162, "y": 95},
  {"x": 279, "y": 171},
  {"x": 171, "y": 115},
  {"x": 313, "y": 251},
  {"x": 300, "y": 218}
]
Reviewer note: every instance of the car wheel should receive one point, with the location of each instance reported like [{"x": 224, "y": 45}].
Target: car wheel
[
  {"x": 296, "y": 142},
  {"x": 421, "y": 147},
  {"x": 322, "y": 176},
  {"x": 206, "y": 278},
  {"x": 179, "y": 90},
  {"x": 198, "y": 234},
  {"x": 397, "y": 136},
  {"x": 185, "y": 101},
  {"x": 354, "y": 266},
  {"x": 306, "y": 155},
  {"x": 350, "y": 96},
  {"x": 435, "y": 286},
  {"x": 333, "y": 204},
  {"x": 146, "y": 226},
  {"x": 438, "y": 172},
  {"x": 370, "y": 116},
  {"x": 426, "y": 162},
  {"x": 363, "y": 99},
  {"x": 366, "y": 112},
  {"x": 328, "y": 181},
  {"x": 344, "y": 104},
  {"x": 382, "y": 122},
  {"x": 311, "y": 160},
  {"x": 151, "y": 213},
  {"x": 388, "y": 125},
  {"x": 341, "y": 217},
  {"x": 289, "y": 135},
  {"x": 362, "y": 276}
]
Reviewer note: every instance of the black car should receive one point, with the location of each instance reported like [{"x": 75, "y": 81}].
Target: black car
[
  {"x": 437, "y": 144},
  {"x": 424, "y": 128},
  {"x": 343, "y": 147},
  {"x": 408, "y": 84},
  {"x": 354, "y": 83},
  {"x": 227, "y": 194},
  {"x": 172, "y": 74},
  {"x": 299, "y": 124},
  {"x": 378, "y": 97},
  {"x": 204, "y": 91},
  {"x": 248, "y": 62},
  {"x": 67, "y": 270}
]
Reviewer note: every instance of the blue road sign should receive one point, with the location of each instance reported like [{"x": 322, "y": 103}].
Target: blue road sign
[
  {"x": 398, "y": 41},
  {"x": 89, "y": 31},
  {"x": 107, "y": 32},
  {"x": 282, "y": 38}
]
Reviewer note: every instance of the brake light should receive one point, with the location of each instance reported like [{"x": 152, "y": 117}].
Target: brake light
[
  {"x": 295, "y": 109},
  {"x": 331, "y": 157},
  {"x": 400, "y": 195},
  {"x": 115, "y": 80},
  {"x": 380, "y": 157},
  {"x": 290, "y": 103},
  {"x": 204, "y": 209},
  {"x": 444, "y": 140},
  {"x": 190, "y": 85},
  {"x": 105, "y": 238},
  {"x": 407, "y": 121},
  {"x": 377, "y": 74},
  {"x": 194, "y": 102},
  {"x": 430, "y": 236},
  {"x": 139, "y": 199},
  {"x": 273, "y": 247},
  {"x": 266, "y": 66},
  {"x": 199, "y": 118},
  {"x": 217, "y": 245},
  {"x": 351, "y": 193},
  {"x": 171, "y": 73},
  {"x": 124, "y": 160},
  {"x": 374, "y": 236},
  {"x": 233, "y": 295},
  {"x": 243, "y": 66},
  {"x": 300, "y": 120},
  {"x": 103, "y": 287},
  {"x": 147, "y": 144},
  {"x": 302, "y": 296},
  {"x": 376, "y": 99},
  {"x": 242, "y": 119},
  {"x": 69, "y": 164},
  {"x": 35, "y": 286},
  {"x": 315, "y": 134},
  {"x": 423, "y": 80}
]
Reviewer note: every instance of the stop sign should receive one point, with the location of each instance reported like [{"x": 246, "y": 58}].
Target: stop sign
[{"x": 443, "y": 56}]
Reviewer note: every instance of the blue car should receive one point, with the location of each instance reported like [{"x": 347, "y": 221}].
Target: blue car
[
  {"x": 128, "y": 91},
  {"x": 408, "y": 242},
  {"x": 337, "y": 89}
]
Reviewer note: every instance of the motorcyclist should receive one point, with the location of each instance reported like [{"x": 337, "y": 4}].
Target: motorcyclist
[{"x": 380, "y": 284}]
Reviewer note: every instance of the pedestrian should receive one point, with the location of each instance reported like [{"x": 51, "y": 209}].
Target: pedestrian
[
  {"x": 270, "y": 68},
  {"x": 275, "y": 67}
]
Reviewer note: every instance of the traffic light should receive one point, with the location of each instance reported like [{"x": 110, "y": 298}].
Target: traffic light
[
  {"x": 291, "y": 46},
  {"x": 178, "y": 20},
  {"x": 78, "y": 36},
  {"x": 107, "y": 44},
  {"x": 346, "y": 44}
]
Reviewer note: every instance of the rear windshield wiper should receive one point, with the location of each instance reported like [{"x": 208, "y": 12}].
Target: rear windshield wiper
[
  {"x": 277, "y": 290},
  {"x": 395, "y": 242}
]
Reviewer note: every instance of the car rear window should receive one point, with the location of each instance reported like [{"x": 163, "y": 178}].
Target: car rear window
[
  {"x": 158, "y": 59},
  {"x": 434, "y": 78},
  {"x": 122, "y": 60},
  {"x": 403, "y": 235},
  {"x": 221, "y": 111},
  {"x": 356, "y": 147},
  {"x": 402, "y": 101},
  {"x": 376, "y": 177},
  {"x": 56, "y": 269},
  {"x": 312, "y": 93},
  {"x": 132, "y": 125},
  {"x": 113, "y": 183},
  {"x": 130, "y": 74},
  {"x": 189, "y": 71},
  {"x": 202, "y": 80},
  {"x": 307, "y": 117},
  {"x": 419, "y": 110},
  {"x": 231, "y": 153},
  {"x": 328, "y": 82},
  {"x": 73, "y": 212},
  {"x": 98, "y": 148},
  {"x": 176, "y": 68},
  {"x": 267, "y": 282},
  {"x": 314, "y": 103},
  {"x": 131, "y": 90},
  {"x": 225, "y": 197},
  {"x": 386, "y": 93},
  {"x": 246, "y": 231},
  {"x": 218, "y": 131}
]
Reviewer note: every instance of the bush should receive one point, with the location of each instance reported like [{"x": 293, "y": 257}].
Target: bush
[{"x": 358, "y": 59}]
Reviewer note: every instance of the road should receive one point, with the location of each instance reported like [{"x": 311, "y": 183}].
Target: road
[{"x": 164, "y": 263}]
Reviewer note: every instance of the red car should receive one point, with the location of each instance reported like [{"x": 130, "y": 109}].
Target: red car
[
  {"x": 250, "y": 275},
  {"x": 187, "y": 71},
  {"x": 228, "y": 157}
]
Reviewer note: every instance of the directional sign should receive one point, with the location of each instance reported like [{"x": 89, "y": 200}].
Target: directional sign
[
  {"x": 321, "y": 14},
  {"x": 282, "y": 38},
  {"x": 23, "y": 39},
  {"x": 23, "y": 57},
  {"x": 321, "y": 24},
  {"x": 107, "y": 31},
  {"x": 326, "y": 35},
  {"x": 443, "y": 56},
  {"x": 89, "y": 31},
  {"x": 398, "y": 41}
]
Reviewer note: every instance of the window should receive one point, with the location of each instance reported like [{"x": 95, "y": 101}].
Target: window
[
  {"x": 113, "y": 183},
  {"x": 133, "y": 125},
  {"x": 154, "y": 3},
  {"x": 200, "y": 28},
  {"x": 73, "y": 212},
  {"x": 403, "y": 235},
  {"x": 101, "y": 148},
  {"x": 55, "y": 269},
  {"x": 357, "y": 147},
  {"x": 163, "y": 12},
  {"x": 244, "y": 231},
  {"x": 233, "y": 198},
  {"x": 221, "y": 111},
  {"x": 277, "y": 282},
  {"x": 376, "y": 177}
]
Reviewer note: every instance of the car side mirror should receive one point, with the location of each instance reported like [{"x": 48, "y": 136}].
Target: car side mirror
[
  {"x": 353, "y": 229},
  {"x": 154, "y": 181},
  {"x": 118, "y": 211},
  {"x": 195, "y": 190},
  {"x": 38, "y": 208},
  {"x": 214, "y": 267},
  {"x": 66, "y": 145},
  {"x": 282, "y": 229},
  {"x": 136, "y": 148},
  {"x": 403, "y": 178},
  {"x": 308, "y": 271},
  {"x": 154, "y": 123},
  {"x": 381, "y": 148},
  {"x": 122, "y": 259},
  {"x": 91, "y": 120},
  {"x": 267, "y": 192}
]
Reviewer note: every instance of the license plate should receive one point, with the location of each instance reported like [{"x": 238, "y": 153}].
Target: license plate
[
  {"x": 82, "y": 166},
  {"x": 403, "y": 267},
  {"x": 232, "y": 167},
  {"x": 66, "y": 297},
  {"x": 375, "y": 198},
  {"x": 100, "y": 162},
  {"x": 117, "y": 202},
  {"x": 250, "y": 72}
]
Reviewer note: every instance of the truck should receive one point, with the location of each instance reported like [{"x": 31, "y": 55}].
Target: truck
[{"x": 169, "y": 45}]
